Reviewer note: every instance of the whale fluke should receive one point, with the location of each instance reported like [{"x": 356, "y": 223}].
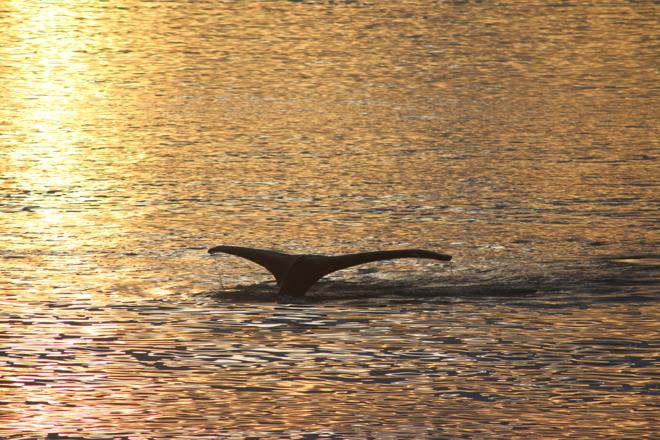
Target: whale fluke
[{"x": 296, "y": 273}]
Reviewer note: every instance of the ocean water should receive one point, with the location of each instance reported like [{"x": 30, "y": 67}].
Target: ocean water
[{"x": 519, "y": 137}]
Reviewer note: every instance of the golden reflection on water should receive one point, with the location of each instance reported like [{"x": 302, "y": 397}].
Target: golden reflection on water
[
  {"x": 345, "y": 371},
  {"x": 48, "y": 95},
  {"x": 136, "y": 135},
  {"x": 46, "y": 88}
]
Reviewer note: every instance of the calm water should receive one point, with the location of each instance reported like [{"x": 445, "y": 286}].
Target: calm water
[{"x": 520, "y": 137}]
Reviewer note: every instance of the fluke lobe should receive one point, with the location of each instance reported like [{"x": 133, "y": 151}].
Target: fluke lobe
[{"x": 296, "y": 273}]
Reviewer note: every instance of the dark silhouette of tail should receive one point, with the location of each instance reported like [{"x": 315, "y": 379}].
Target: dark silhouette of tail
[{"x": 296, "y": 273}]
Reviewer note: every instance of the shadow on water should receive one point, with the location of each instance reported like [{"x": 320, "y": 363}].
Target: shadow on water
[
  {"x": 375, "y": 292},
  {"x": 609, "y": 279}
]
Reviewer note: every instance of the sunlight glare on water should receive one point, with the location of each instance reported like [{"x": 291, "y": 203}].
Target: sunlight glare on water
[{"x": 519, "y": 137}]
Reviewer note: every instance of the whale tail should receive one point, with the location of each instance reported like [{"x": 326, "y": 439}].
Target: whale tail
[
  {"x": 296, "y": 273},
  {"x": 276, "y": 263}
]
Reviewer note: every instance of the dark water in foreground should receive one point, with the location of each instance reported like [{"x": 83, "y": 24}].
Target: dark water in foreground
[{"x": 519, "y": 137}]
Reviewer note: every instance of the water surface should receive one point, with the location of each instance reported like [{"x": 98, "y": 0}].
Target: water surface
[{"x": 520, "y": 138}]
